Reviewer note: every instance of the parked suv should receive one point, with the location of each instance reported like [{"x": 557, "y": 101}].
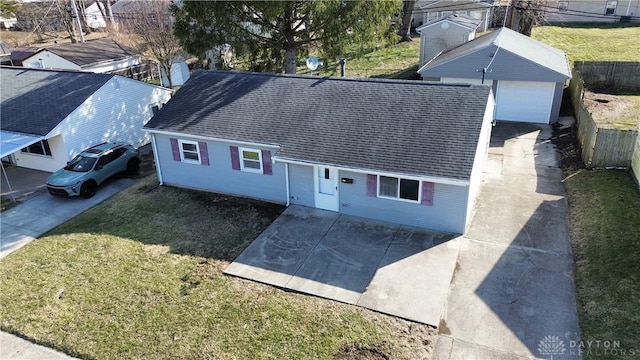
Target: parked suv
[{"x": 92, "y": 167}]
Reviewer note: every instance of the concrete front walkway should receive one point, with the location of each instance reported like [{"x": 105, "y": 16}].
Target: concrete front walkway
[
  {"x": 513, "y": 288},
  {"x": 13, "y": 347},
  {"x": 393, "y": 269}
]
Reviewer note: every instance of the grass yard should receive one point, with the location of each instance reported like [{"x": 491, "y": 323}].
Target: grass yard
[
  {"x": 140, "y": 276},
  {"x": 384, "y": 62},
  {"x": 605, "y": 42},
  {"x": 604, "y": 210}
]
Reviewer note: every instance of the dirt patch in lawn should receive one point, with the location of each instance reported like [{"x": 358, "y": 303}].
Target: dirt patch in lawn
[{"x": 611, "y": 110}]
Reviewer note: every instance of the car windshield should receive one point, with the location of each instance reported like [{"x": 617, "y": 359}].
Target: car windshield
[{"x": 81, "y": 164}]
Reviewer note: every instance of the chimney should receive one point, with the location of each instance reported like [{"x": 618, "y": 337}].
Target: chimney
[{"x": 343, "y": 67}]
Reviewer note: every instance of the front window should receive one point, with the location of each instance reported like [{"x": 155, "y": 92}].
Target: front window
[
  {"x": 81, "y": 164},
  {"x": 189, "y": 151},
  {"x": 251, "y": 160},
  {"x": 563, "y": 5},
  {"x": 39, "y": 148},
  {"x": 610, "y": 8},
  {"x": 398, "y": 188}
]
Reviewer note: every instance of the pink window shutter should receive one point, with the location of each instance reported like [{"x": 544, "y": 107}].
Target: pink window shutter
[
  {"x": 372, "y": 185},
  {"x": 175, "y": 149},
  {"x": 267, "y": 166},
  {"x": 235, "y": 158},
  {"x": 204, "y": 153},
  {"x": 427, "y": 193}
]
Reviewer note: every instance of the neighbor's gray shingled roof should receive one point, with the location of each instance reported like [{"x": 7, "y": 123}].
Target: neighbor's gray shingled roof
[
  {"x": 81, "y": 54},
  {"x": 408, "y": 127},
  {"x": 35, "y": 101}
]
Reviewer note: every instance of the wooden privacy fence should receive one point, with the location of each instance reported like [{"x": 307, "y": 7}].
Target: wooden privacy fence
[
  {"x": 618, "y": 75},
  {"x": 601, "y": 148}
]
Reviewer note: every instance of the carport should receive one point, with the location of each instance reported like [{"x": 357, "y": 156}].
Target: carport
[
  {"x": 390, "y": 268},
  {"x": 11, "y": 142}
]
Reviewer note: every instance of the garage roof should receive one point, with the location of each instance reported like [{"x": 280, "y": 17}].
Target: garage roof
[{"x": 506, "y": 55}]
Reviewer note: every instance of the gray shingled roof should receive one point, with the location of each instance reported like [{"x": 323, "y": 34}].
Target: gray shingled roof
[
  {"x": 460, "y": 19},
  {"x": 94, "y": 51},
  {"x": 512, "y": 42},
  {"x": 407, "y": 127},
  {"x": 35, "y": 101}
]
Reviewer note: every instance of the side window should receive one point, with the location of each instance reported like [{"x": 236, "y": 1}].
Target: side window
[
  {"x": 119, "y": 152},
  {"x": 610, "y": 8}
]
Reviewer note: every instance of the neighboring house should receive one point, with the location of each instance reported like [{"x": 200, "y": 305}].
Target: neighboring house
[
  {"x": 50, "y": 116},
  {"x": 99, "y": 56},
  {"x": 445, "y": 33},
  {"x": 95, "y": 20},
  {"x": 179, "y": 73},
  {"x": 429, "y": 10},
  {"x": 5, "y": 53},
  {"x": 527, "y": 76},
  {"x": 400, "y": 151},
  {"x": 592, "y": 11},
  {"x": 7, "y": 23}
]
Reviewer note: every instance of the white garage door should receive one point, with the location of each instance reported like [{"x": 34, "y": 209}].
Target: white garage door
[{"x": 525, "y": 101}]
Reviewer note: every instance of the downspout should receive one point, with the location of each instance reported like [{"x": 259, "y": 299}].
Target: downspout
[
  {"x": 286, "y": 180},
  {"x": 156, "y": 158}
]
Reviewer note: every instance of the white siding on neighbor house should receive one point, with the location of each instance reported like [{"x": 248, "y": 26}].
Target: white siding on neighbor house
[
  {"x": 50, "y": 61},
  {"x": 441, "y": 36},
  {"x": 301, "y": 188},
  {"x": 57, "y": 160},
  {"x": 109, "y": 66},
  {"x": 590, "y": 11},
  {"x": 446, "y": 214},
  {"x": 480, "y": 160},
  {"x": 219, "y": 176},
  {"x": 116, "y": 112}
]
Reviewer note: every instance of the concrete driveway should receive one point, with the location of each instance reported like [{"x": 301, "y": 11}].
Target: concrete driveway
[
  {"x": 513, "y": 292},
  {"x": 393, "y": 269}
]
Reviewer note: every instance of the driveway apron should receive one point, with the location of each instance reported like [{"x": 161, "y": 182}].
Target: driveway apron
[{"x": 512, "y": 293}]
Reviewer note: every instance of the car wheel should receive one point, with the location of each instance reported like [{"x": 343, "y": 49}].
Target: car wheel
[
  {"x": 88, "y": 189},
  {"x": 133, "y": 166}
]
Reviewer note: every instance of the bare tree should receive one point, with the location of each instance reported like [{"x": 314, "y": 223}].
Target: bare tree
[
  {"x": 152, "y": 23},
  {"x": 531, "y": 13},
  {"x": 407, "y": 14}
]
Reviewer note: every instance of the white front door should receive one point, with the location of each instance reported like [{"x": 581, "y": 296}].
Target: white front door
[{"x": 326, "y": 188}]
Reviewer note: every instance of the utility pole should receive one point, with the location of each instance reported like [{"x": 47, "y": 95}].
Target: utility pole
[{"x": 74, "y": 14}]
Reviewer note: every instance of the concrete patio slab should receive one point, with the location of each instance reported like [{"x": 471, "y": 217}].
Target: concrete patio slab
[
  {"x": 346, "y": 258},
  {"x": 401, "y": 271},
  {"x": 277, "y": 254},
  {"x": 413, "y": 277}
]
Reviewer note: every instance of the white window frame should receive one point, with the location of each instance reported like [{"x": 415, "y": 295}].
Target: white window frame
[
  {"x": 607, "y": 6},
  {"x": 25, "y": 150},
  {"x": 182, "y": 151},
  {"x": 563, "y": 5},
  {"x": 398, "y": 198},
  {"x": 242, "y": 159}
]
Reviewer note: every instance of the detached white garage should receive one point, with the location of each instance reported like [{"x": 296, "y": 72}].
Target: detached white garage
[{"x": 527, "y": 76}]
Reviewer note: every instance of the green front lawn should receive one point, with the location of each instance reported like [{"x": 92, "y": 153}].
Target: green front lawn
[
  {"x": 603, "y": 42},
  {"x": 140, "y": 276},
  {"x": 604, "y": 210}
]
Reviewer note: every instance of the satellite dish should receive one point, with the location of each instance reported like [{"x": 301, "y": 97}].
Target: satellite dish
[{"x": 313, "y": 63}]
